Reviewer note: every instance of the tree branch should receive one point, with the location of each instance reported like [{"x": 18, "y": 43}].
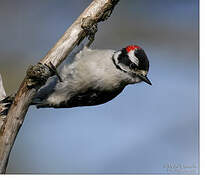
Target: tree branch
[{"x": 98, "y": 10}]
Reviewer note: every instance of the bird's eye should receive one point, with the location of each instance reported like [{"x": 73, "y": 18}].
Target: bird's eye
[
  {"x": 136, "y": 53},
  {"x": 133, "y": 66}
]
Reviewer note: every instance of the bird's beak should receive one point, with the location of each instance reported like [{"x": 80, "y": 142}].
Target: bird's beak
[{"x": 145, "y": 79}]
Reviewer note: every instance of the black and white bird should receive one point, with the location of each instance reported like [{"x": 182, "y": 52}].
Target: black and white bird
[{"x": 94, "y": 77}]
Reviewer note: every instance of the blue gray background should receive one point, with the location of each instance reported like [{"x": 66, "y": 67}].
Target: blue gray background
[{"x": 146, "y": 129}]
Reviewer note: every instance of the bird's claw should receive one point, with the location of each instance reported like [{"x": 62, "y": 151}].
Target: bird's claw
[
  {"x": 90, "y": 27},
  {"x": 54, "y": 71}
]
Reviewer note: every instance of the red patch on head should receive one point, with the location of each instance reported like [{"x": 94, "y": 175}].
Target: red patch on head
[{"x": 132, "y": 47}]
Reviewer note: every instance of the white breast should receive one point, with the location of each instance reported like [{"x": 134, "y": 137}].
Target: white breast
[
  {"x": 90, "y": 69},
  {"x": 94, "y": 68}
]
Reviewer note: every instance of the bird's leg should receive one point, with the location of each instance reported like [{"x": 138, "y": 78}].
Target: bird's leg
[
  {"x": 90, "y": 27},
  {"x": 91, "y": 36},
  {"x": 54, "y": 70}
]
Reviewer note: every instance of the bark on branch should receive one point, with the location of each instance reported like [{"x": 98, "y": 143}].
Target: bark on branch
[{"x": 98, "y": 10}]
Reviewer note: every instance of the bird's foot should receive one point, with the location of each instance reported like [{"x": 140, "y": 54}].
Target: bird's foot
[
  {"x": 54, "y": 71},
  {"x": 90, "y": 27}
]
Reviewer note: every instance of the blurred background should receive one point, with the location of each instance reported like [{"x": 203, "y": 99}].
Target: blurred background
[{"x": 146, "y": 129}]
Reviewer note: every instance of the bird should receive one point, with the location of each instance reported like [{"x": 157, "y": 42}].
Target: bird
[{"x": 94, "y": 77}]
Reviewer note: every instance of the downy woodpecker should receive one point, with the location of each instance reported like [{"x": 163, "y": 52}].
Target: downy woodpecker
[{"x": 94, "y": 77}]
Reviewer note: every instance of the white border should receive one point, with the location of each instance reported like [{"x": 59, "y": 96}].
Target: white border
[{"x": 202, "y": 132}]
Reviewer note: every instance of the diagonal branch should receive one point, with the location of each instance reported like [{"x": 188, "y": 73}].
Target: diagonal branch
[{"x": 98, "y": 10}]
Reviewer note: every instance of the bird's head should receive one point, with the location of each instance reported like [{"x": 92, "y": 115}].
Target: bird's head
[{"x": 133, "y": 61}]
